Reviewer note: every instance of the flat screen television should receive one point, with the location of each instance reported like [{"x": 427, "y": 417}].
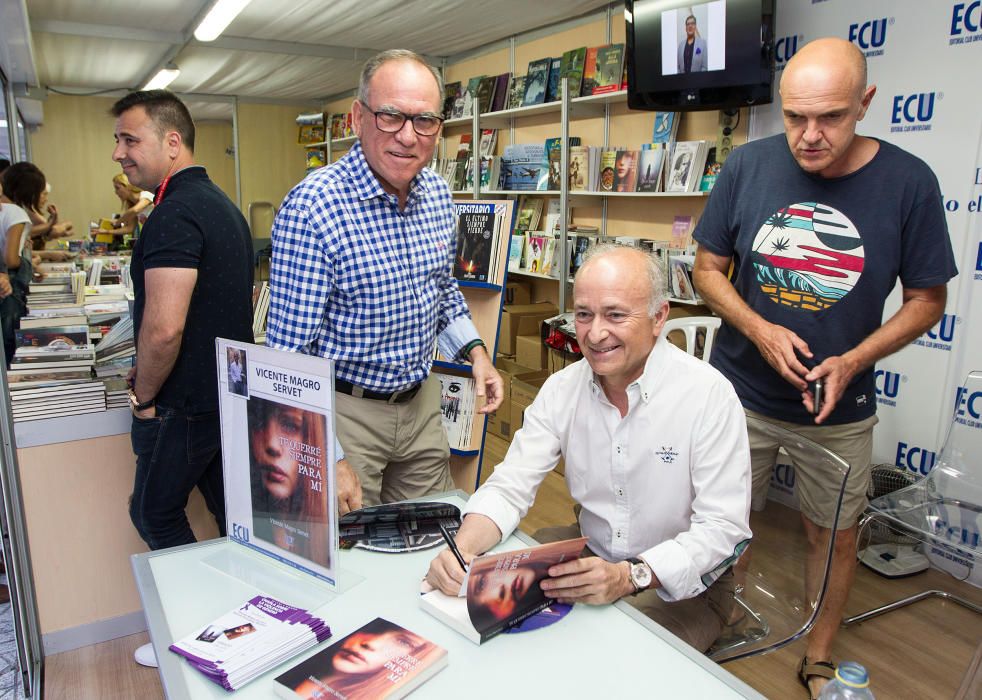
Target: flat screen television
[{"x": 695, "y": 56}]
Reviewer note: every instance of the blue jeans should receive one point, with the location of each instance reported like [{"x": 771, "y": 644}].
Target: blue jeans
[{"x": 174, "y": 453}]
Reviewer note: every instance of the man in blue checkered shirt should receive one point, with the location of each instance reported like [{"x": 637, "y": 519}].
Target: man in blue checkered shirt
[{"x": 361, "y": 273}]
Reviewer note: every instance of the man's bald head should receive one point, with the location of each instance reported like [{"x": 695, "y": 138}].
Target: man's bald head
[
  {"x": 823, "y": 96},
  {"x": 829, "y": 58}
]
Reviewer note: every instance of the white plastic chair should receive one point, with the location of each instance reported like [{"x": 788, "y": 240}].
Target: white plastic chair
[{"x": 690, "y": 326}]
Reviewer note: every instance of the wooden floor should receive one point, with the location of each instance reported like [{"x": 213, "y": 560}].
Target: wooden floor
[{"x": 920, "y": 652}]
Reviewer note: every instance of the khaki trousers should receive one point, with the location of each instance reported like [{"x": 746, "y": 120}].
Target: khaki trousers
[{"x": 399, "y": 451}]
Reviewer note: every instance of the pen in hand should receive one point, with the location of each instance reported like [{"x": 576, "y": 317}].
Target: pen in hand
[{"x": 453, "y": 546}]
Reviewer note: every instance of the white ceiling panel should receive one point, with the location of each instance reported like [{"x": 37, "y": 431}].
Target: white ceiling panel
[
  {"x": 263, "y": 75},
  {"x": 84, "y": 62},
  {"x": 209, "y": 111},
  {"x": 161, "y": 15},
  {"x": 275, "y": 49}
]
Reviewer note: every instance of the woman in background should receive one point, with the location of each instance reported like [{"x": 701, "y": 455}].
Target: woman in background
[
  {"x": 23, "y": 185},
  {"x": 46, "y": 228},
  {"x": 134, "y": 203}
]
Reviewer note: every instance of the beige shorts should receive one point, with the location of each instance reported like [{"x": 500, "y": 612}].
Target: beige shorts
[{"x": 817, "y": 488}]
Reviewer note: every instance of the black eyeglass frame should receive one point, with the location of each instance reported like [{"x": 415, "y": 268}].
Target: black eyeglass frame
[{"x": 403, "y": 119}]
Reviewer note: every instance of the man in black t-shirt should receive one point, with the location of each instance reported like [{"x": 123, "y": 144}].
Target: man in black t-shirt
[
  {"x": 819, "y": 224},
  {"x": 192, "y": 273}
]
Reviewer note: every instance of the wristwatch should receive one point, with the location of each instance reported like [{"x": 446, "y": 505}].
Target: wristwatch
[
  {"x": 641, "y": 574},
  {"x": 137, "y": 406}
]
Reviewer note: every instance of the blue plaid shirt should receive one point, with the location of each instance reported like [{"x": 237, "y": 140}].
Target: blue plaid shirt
[{"x": 355, "y": 279}]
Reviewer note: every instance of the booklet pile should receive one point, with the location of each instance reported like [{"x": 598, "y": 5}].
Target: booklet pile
[{"x": 250, "y": 640}]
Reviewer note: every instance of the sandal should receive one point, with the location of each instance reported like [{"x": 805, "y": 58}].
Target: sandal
[{"x": 814, "y": 669}]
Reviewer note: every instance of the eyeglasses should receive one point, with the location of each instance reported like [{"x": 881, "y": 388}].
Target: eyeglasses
[{"x": 392, "y": 122}]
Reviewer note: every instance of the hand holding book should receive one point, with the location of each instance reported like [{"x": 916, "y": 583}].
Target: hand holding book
[{"x": 590, "y": 580}]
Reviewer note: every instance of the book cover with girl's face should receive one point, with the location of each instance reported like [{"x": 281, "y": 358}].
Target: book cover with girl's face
[
  {"x": 379, "y": 660},
  {"x": 287, "y": 461}
]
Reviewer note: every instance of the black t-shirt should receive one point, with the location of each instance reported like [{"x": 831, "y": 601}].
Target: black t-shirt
[
  {"x": 819, "y": 256},
  {"x": 197, "y": 226}
]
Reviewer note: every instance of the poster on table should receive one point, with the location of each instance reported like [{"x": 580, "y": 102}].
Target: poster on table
[{"x": 278, "y": 449}]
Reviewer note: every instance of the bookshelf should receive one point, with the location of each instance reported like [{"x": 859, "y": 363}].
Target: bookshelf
[{"x": 566, "y": 112}]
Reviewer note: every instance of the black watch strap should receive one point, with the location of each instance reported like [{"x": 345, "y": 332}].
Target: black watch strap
[{"x": 137, "y": 406}]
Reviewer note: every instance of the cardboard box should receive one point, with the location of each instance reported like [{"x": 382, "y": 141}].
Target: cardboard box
[
  {"x": 521, "y": 319},
  {"x": 560, "y": 359},
  {"x": 500, "y": 423},
  {"x": 523, "y": 393},
  {"x": 518, "y": 293},
  {"x": 531, "y": 352}
]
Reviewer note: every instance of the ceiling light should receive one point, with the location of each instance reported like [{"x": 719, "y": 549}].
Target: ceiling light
[
  {"x": 165, "y": 76},
  {"x": 219, "y": 16}
]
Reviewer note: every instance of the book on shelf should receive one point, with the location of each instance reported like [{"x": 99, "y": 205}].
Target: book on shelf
[
  {"x": 610, "y": 66},
  {"x": 398, "y": 527},
  {"x": 529, "y": 213},
  {"x": 400, "y": 661},
  {"x": 525, "y": 167},
  {"x": 315, "y": 158},
  {"x": 710, "y": 172},
  {"x": 687, "y": 163},
  {"x": 681, "y": 278},
  {"x": 516, "y": 92},
  {"x": 681, "y": 232},
  {"x": 500, "y": 100},
  {"x": 579, "y": 244},
  {"x": 489, "y": 140},
  {"x": 651, "y": 160},
  {"x": 550, "y": 257},
  {"x": 479, "y": 258},
  {"x": 579, "y": 167},
  {"x": 665, "y": 128},
  {"x": 485, "y": 92},
  {"x": 500, "y": 591},
  {"x": 457, "y": 399},
  {"x": 477, "y": 237},
  {"x": 75, "y": 356},
  {"x": 451, "y": 91},
  {"x": 608, "y": 159},
  {"x": 626, "y": 171},
  {"x": 555, "y": 169},
  {"x": 552, "y": 218},
  {"x": 460, "y": 97},
  {"x": 490, "y": 169},
  {"x": 536, "y": 246},
  {"x": 589, "y": 71},
  {"x": 552, "y": 86},
  {"x": 571, "y": 68},
  {"x": 250, "y": 640},
  {"x": 515, "y": 250},
  {"x": 536, "y": 82},
  {"x": 470, "y": 94}
]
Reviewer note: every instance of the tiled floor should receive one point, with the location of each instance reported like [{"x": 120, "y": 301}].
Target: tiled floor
[{"x": 11, "y": 687}]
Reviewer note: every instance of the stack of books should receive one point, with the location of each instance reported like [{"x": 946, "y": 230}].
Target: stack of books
[
  {"x": 52, "y": 381},
  {"x": 117, "y": 393},
  {"x": 116, "y": 351},
  {"x": 250, "y": 640}
]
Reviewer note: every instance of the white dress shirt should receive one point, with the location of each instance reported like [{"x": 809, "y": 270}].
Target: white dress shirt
[{"x": 669, "y": 482}]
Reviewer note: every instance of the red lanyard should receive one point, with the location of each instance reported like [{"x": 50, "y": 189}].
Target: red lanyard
[{"x": 160, "y": 191}]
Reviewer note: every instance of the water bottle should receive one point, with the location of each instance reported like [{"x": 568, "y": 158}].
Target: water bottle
[{"x": 851, "y": 683}]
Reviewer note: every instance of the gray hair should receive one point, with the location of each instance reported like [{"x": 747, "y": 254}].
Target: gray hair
[
  {"x": 652, "y": 268},
  {"x": 375, "y": 62}
]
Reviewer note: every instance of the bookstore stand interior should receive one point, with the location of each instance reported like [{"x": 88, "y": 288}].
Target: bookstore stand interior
[{"x": 569, "y": 127}]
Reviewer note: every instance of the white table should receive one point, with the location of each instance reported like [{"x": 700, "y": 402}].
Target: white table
[{"x": 603, "y": 652}]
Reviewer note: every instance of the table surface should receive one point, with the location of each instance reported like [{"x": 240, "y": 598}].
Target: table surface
[{"x": 597, "y": 651}]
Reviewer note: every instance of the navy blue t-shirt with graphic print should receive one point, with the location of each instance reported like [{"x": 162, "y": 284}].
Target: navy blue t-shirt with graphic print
[{"x": 819, "y": 257}]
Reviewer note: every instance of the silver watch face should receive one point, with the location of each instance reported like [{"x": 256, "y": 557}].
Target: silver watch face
[{"x": 641, "y": 575}]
